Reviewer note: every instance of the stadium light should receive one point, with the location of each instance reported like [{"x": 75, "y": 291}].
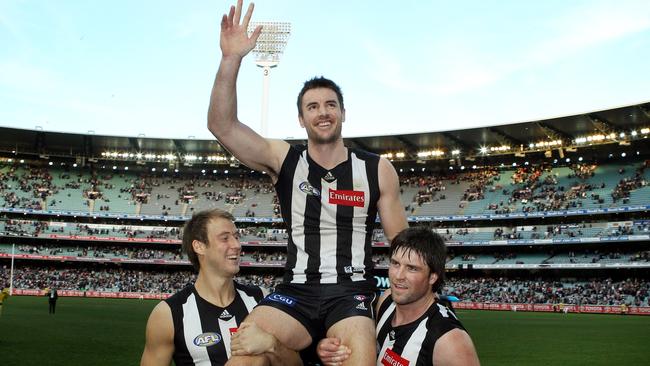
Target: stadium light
[{"x": 270, "y": 45}]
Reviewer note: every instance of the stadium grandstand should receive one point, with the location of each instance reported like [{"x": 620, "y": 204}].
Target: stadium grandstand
[{"x": 536, "y": 215}]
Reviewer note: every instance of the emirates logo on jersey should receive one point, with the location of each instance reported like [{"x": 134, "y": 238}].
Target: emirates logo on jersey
[
  {"x": 393, "y": 359},
  {"x": 347, "y": 198}
]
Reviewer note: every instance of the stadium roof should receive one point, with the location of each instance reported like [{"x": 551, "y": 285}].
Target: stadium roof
[{"x": 469, "y": 141}]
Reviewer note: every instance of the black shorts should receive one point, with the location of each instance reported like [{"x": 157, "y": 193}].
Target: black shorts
[{"x": 318, "y": 307}]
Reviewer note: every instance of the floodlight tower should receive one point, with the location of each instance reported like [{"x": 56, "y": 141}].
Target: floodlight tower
[{"x": 268, "y": 49}]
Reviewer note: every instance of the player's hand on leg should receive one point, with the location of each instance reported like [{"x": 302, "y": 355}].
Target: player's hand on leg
[
  {"x": 331, "y": 352},
  {"x": 251, "y": 340}
]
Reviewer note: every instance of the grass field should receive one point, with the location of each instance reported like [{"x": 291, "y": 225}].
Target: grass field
[{"x": 111, "y": 332}]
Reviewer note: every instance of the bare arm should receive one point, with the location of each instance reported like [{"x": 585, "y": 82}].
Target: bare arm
[
  {"x": 251, "y": 340},
  {"x": 245, "y": 144},
  {"x": 391, "y": 210},
  {"x": 159, "y": 346},
  {"x": 455, "y": 348}
]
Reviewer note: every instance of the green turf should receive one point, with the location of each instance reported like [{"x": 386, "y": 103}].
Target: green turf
[
  {"x": 111, "y": 332},
  {"x": 82, "y": 332},
  {"x": 508, "y": 338}
]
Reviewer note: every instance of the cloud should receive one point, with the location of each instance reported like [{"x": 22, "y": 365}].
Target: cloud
[{"x": 589, "y": 27}]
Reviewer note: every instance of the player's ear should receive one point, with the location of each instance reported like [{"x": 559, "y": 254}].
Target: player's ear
[
  {"x": 302, "y": 122},
  {"x": 342, "y": 114},
  {"x": 198, "y": 246},
  {"x": 433, "y": 277}
]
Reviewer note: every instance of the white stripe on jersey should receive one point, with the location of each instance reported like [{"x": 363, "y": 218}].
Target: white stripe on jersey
[
  {"x": 384, "y": 316},
  {"x": 328, "y": 243},
  {"x": 412, "y": 348},
  {"x": 387, "y": 342},
  {"x": 224, "y": 328},
  {"x": 360, "y": 216},
  {"x": 298, "y": 204},
  {"x": 191, "y": 329}
]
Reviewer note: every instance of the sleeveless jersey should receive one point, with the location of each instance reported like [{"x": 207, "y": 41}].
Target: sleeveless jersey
[
  {"x": 202, "y": 331},
  {"x": 330, "y": 216},
  {"x": 411, "y": 344}
]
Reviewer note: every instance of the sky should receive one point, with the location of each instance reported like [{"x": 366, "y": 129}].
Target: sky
[{"x": 146, "y": 68}]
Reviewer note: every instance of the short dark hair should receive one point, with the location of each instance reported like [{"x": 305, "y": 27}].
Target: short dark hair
[
  {"x": 319, "y": 82},
  {"x": 429, "y": 245},
  {"x": 196, "y": 228}
]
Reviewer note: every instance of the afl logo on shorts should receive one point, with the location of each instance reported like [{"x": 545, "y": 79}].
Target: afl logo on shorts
[
  {"x": 309, "y": 189},
  {"x": 207, "y": 339},
  {"x": 360, "y": 297}
]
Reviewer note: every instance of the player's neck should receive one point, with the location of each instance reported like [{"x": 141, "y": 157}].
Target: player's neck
[
  {"x": 328, "y": 155},
  {"x": 217, "y": 290},
  {"x": 408, "y": 313}
]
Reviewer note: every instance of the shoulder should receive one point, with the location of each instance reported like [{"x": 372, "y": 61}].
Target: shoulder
[
  {"x": 384, "y": 302},
  {"x": 160, "y": 318},
  {"x": 181, "y": 296},
  {"x": 253, "y": 291},
  {"x": 455, "y": 348},
  {"x": 364, "y": 155}
]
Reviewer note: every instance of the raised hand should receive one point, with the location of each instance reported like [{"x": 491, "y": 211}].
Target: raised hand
[{"x": 234, "y": 38}]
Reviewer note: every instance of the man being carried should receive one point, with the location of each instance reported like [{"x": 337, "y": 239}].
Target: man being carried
[{"x": 329, "y": 196}]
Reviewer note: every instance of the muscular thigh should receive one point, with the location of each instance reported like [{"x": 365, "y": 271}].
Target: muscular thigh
[
  {"x": 285, "y": 328},
  {"x": 358, "y": 333}
]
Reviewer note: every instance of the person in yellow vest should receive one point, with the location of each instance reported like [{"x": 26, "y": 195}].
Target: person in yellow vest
[
  {"x": 4, "y": 294},
  {"x": 624, "y": 308}
]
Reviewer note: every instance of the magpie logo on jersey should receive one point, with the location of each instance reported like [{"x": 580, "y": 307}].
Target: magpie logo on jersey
[
  {"x": 309, "y": 189},
  {"x": 207, "y": 339},
  {"x": 360, "y": 297},
  {"x": 287, "y": 300},
  {"x": 225, "y": 315}
]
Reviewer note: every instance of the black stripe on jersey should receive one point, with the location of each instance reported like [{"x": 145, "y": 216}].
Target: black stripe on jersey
[
  {"x": 344, "y": 216},
  {"x": 284, "y": 190},
  {"x": 216, "y": 352},
  {"x": 372, "y": 172},
  {"x": 253, "y": 291},
  {"x": 312, "y": 222},
  {"x": 181, "y": 353}
]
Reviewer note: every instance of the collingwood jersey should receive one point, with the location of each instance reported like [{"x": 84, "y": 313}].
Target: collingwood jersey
[
  {"x": 330, "y": 216},
  {"x": 411, "y": 344},
  {"x": 202, "y": 331}
]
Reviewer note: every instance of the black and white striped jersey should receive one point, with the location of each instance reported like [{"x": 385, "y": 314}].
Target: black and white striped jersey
[
  {"x": 202, "y": 331},
  {"x": 330, "y": 215},
  {"x": 411, "y": 344}
]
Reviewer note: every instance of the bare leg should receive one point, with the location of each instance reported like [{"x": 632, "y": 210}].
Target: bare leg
[
  {"x": 285, "y": 328},
  {"x": 358, "y": 333}
]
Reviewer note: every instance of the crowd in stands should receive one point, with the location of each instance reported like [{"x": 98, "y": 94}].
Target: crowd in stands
[
  {"x": 541, "y": 291},
  {"x": 634, "y": 292},
  {"x": 626, "y": 185},
  {"x": 531, "y": 188},
  {"x": 110, "y": 251}
]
